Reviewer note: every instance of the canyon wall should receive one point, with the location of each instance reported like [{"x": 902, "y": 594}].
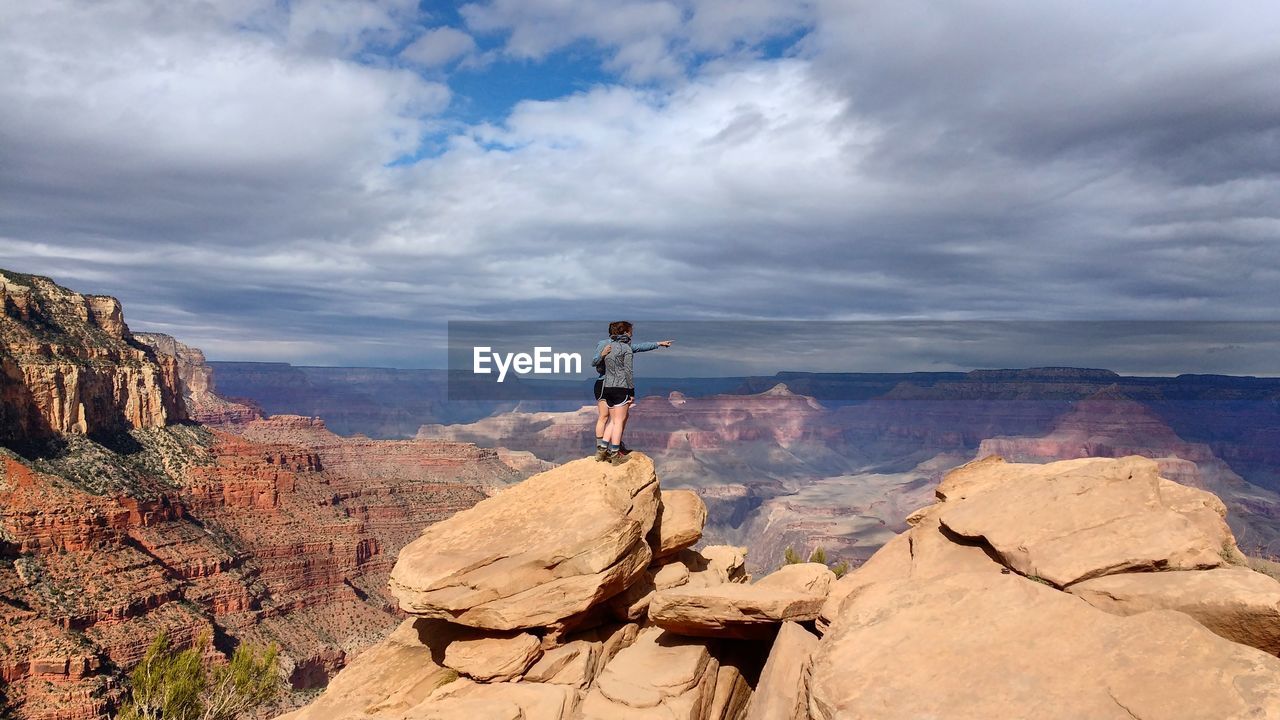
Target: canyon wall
[
  {"x": 68, "y": 363},
  {"x": 121, "y": 518}
]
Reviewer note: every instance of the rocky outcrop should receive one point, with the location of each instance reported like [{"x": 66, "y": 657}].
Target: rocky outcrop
[
  {"x": 660, "y": 675},
  {"x": 679, "y": 525},
  {"x": 935, "y": 624},
  {"x": 965, "y": 597},
  {"x": 68, "y": 364},
  {"x": 1235, "y": 602},
  {"x": 1077, "y": 519},
  {"x": 795, "y": 593},
  {"x": 1070, "y": 660},
  {"x": 196, "y": 383},
  {"x": 570, "y": 537},
  {"x": 563, "y": 532},
  {"x": 493, "y": 658},
  {"x": 780, "y": 694}
]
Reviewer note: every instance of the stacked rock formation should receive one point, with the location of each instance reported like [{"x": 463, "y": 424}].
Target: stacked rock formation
[{"x": 1085, "y": 588}]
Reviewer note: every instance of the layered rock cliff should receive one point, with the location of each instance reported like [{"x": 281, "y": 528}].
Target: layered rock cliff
[
  {"x": 196, "y": 383},
  {"x": 117, "y": 522},
  {"x": 68, "y": 363},
  {"x": 1091, "y": 588}
]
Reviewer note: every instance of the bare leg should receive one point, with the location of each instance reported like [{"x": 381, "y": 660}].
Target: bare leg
[
  {"x": 617, "y": 421},
  {"x": 603, "y": 407}
]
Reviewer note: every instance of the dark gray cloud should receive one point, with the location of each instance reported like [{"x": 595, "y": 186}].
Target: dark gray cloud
[{"x": 227, "y": 170}]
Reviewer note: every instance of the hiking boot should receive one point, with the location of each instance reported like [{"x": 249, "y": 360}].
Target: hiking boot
[
  {"x": 602, "y": 454},
  {"x": 618, "y": 458},
  {"x": 623, "y": 449}
]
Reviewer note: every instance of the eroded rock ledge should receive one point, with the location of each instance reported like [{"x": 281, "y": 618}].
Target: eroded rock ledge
[{"x": 1086, "y": 588}]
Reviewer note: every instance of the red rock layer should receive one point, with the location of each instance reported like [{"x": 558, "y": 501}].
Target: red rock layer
[{"x": 287, "y": 537}]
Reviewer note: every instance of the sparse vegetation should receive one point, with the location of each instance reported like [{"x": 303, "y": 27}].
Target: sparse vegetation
[
  {"x": 818, "y": 555},
  {"x": 174, "y": 684}
]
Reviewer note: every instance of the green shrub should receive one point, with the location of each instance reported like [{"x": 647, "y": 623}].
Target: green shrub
[
  {"x": 818, "y": 556},
  {"x": 791, "y": 557},
  {"x": 840, "y": 568},
  {"x": 179, "y": 685}
]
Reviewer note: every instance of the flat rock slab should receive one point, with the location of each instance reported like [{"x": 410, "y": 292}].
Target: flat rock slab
[
  {"x": 466, "y": 700},
  {"x": 1078, "y": 519},
  {"x": 780, "y": 694},
  {"x": 1235, "y": 602},
  {"x": 807, "y": 578},
  {"x": 496, "y": 658},
  {"x": 978, "y": 646},
  {"x": 680, "y": 521},
  {"x": 538, "y": 552},
  {"x": 573, "y": 663},
  {"x": 731, "y": 610},
  {"x": 660, "y": 675}
]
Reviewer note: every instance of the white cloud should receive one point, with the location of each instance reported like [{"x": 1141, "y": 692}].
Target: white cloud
[
  {"x": 224, "y": 167},
  {"x": 439, "y": 46}
]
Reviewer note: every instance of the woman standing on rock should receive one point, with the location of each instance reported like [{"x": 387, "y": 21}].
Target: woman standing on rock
[{"x": 618, "y": 388}]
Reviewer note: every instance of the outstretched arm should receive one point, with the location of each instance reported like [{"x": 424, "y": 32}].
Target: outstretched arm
[{"x": 647, "y": 346}]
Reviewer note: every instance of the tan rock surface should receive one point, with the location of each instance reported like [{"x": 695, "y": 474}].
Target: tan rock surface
[
  {"x": 1078, "y": 519},
  {"x": 732, "y": 694},
  {"x": 497, "y": 658},
  {"x": 385, "y": 680},
  {"x": 731, "y": 609},
  {"x": 680, "y": 521},
  {"x": 808, "y": 578},
  {"x": 921, "y": 553},
  {"x": 975, "y": 632},
  {"x": 540, "y": 551},
  {"x": 574, "y": 663},
  {"x": 465, "y": 700},
  {"x": 661, "y": 675},
  {"x": 729, "y": 559},
  {"x": 780, "y": 694},
  {"x": 1235, "y": 602}
]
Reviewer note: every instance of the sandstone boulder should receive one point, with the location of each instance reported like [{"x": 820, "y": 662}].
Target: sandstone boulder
[
  {"x": 546, "y": 549},
  {"x": 976, "y": 646},
  {"x": 660, "y": 675},
  {"x": 780, "y": 694},
  {"x": 680, "y": 521},
  {"x": 465, "y": 700},
  {"x": 1235, "y": 602},
  {"x": 1078, "y": 519},
  {"x": 731, "y": 696},
  {"x": 729, "y": 559},
  {"x": 494, "y": 658},
  {"x": 633, "y": 602},
  {"x": 807, "y": 578},
  {"x": 573, "y": 664},
  {"x": 387, "y": 679},
  {"x": 731, "y": 610},
  {"x": 921, "y": 553}
]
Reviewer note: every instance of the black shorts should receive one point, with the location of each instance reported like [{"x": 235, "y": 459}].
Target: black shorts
[
  {"x": 599, "y": 389},
  {"x": 617, "y": 397}
]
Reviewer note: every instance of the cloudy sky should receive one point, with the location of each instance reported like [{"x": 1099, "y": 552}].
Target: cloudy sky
[{"x": 330, "y": 181}]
